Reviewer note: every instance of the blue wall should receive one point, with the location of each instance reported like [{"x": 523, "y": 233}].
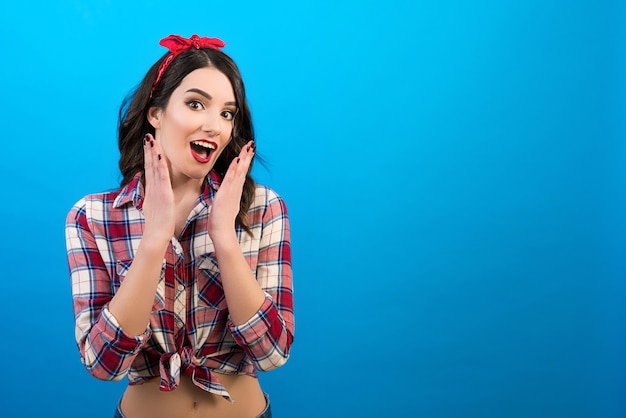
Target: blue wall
[{"x": 455, "y": 174}]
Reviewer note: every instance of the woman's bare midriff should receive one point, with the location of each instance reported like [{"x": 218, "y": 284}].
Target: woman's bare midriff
[{"x": 188, "y": 400}]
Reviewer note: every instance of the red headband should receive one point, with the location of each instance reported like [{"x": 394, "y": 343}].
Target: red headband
[{"x": 177, "y": 45}]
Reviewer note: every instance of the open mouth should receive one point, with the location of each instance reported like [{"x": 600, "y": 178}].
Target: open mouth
[{"x": 202, "y": 150}]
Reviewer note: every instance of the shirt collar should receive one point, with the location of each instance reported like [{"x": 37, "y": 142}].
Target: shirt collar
[
  {"x": 214, "y": 180},
  {"x": 132, "y": 192}
]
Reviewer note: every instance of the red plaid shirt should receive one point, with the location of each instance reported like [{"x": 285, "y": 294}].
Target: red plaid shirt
[{"x": 190, "y": 331}]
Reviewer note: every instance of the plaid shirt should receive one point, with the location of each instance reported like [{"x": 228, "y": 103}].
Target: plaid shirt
[{"x": 190, "y": 331}]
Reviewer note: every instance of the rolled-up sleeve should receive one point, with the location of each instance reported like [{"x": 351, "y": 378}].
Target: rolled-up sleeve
[
  {"x": 105, "y": 350},
  {"x": 268, "y": 335}
]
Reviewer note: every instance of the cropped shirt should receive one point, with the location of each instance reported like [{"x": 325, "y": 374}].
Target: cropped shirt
[{"x": 189, "y": 330}]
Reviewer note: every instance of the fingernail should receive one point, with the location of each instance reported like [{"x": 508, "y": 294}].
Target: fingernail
[
  {"x": 159, "y": 156},
  {"x": 145, "y": 139},
  {"x": 253, "y": 146},
  {"x": 152, "y": 143},
  {"x": 248, "y": 148},
  {"x": 237, "y": 160}
]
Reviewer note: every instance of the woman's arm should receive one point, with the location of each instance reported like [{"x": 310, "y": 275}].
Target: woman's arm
[
  {"x": 105, "y": 349},
  {"x": 260, "y": 308},
  {"x": 112, "y": 328},
  {"x": 243, "y": 294}
]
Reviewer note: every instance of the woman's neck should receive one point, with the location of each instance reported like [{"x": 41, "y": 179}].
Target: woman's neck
[
  {"x": 185, "y": 195},
  {"x": 185, "y": 187}
]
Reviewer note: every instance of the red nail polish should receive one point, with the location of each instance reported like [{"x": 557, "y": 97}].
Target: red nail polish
[
  {"x": 248, "y": 148},
  {"x": 237, "y": 160},
  {"x": 159, "y": 156}
]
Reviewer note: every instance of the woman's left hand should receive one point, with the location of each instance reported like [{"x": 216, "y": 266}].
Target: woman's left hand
[{"x": 226, "y": 203}]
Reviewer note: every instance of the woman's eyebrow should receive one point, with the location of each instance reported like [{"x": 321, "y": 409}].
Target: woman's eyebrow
[
  {"x": 208, "y": 96},
  {"x": 200, "y": 92}
]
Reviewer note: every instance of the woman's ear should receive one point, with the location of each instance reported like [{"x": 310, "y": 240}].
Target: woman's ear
[{"x": 154, "y": 117}]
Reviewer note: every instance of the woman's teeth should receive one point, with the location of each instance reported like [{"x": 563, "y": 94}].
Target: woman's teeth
[{"x": 202, "y": 148}]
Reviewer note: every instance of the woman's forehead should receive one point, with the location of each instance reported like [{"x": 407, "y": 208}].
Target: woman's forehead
[{"x": 208, "y": 80}]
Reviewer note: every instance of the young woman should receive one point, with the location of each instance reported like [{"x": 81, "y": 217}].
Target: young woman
[{"x": 181, "y": 279}]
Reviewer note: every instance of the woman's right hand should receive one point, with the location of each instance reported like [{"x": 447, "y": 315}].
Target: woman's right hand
[{"x": 158, "y": 203}]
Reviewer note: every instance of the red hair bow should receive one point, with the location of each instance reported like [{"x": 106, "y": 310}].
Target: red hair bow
[{"x": 177, "y": 45}]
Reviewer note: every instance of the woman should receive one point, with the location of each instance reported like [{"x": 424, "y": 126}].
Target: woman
[{"x": 181, "y": 279}]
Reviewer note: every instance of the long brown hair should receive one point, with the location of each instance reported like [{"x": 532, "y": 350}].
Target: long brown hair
[{"x": 133, "y": 117}]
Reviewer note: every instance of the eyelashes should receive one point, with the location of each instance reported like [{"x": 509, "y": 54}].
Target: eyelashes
[
  {"x": 228, "y": 115},
  {"x": 195, "y": 104}
]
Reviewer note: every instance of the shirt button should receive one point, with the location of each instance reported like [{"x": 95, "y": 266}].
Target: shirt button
[{"x": 181, "y": 287}]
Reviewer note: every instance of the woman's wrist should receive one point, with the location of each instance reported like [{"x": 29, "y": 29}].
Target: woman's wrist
[
  {"x": 157, "y": 242},
  {"x": 225, "y": 241}
]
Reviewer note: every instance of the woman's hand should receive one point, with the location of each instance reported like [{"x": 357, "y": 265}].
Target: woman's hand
[
  {"x": 158, "y": 203},
  {"x": 226, "y": 203}
]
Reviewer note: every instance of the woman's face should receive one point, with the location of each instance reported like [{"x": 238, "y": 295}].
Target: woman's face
[{"x": 196, "y": 124}]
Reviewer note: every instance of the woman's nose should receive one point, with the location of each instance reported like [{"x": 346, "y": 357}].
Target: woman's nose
[{"x": 212, "y": 125}]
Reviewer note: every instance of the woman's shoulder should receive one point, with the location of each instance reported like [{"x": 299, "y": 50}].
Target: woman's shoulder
[
  {"x": 265, "y": 195},
  {"x": 93, "y": 204},
  {"x": 268, "y": 204},
  {"x": 97, "y": 198},
  {"x": 113, "y": 198}
]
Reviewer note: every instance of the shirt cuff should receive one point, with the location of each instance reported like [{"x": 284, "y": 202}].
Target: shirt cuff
[
  {"x": 118, "y": 339},
  {"x": 256, "y": 327}
]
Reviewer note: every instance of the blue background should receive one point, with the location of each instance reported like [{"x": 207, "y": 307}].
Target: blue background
[{"x": 454, "y": 170}]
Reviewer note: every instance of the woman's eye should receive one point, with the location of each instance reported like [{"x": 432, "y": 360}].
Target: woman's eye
[
  {"x": 194, "y": 104},
  {"x": 228, "y": 114}
]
